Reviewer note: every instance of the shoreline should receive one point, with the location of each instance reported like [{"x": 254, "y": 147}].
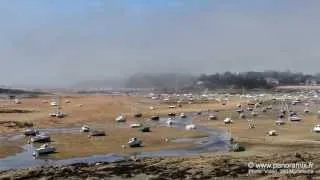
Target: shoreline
[{"x": 197, "y": 167}]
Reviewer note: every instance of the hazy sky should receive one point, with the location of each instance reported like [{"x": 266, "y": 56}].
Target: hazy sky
[{"x": 61, "y": 42}]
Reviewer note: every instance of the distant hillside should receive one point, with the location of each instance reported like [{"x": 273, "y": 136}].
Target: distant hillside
[
  {"x": 252, "y": 79},
  {"x": 19, "y": 91},
  {"x": 169, "y": 81},
  {"x": 105, "y": 83}
]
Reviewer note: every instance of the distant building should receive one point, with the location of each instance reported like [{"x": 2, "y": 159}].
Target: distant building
[
  {"x": 272, "y": 81},
  {"x": 311, "y": 82}
]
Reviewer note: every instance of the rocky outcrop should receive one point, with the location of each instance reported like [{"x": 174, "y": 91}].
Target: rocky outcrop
[{"x": 203, "y": 167}]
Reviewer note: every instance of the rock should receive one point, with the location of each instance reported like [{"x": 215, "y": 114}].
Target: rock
[
  {"x": 153, "y": 177},
  {"x": 104, "y": 168},
  {"x": 67, "y": 170},
  {"x": 298, "y": 155},
  {"x": 6, "y": 177},
  {"x": 93, "y": 178},
  {"x": 46, "y": 178}
]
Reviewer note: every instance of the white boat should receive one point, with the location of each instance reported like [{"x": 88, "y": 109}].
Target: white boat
[
  {"x": 306, "y": 110},
  {"x": 41, "y": 138},
  {"x": 272, "y": 133},
  {"x": 85, "y": 128},
  {"x": 182, "y": 115},
  {"x": 212, "y": 117},
  {"x": 190, "y": 127},
  {"x": 249, "y": 109},
  {"x": 134, "y": 142},
  {"x": 280, "y": 122},
  {"x": 52, "y": 114},
  {"x": 60, "y": 115},
  {"x": 30, "y": 132},
  {"x": 254, "y": 113},
  {"x": 44, "y": 149},
  {"x": 172, "y": 107},
  {"x": 227, "y": 121},
  {"x": 53, "y": 103},
  {"x": 151, "y": 108},
  {"x": 135, "y": 125},
  {"x": 295, "y": 118},
  {"x": 121, "y": 118},
  {"x": 170, "y": 121},
  {"x": 316, "y": 128},
  {"x": 269, "y": 107},
  {"x": 17, "y": 101}
]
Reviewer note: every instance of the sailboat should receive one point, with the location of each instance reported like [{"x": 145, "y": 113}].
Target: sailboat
[{"x": 57, "y": 113}]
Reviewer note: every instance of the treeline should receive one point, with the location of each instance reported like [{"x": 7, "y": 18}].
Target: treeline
[
  {"x": 252, "y": 80},
  {"x": 19, "y": 91},
  {"x": 172, "y": 82}
]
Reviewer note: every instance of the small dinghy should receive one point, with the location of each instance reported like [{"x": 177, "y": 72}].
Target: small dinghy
[
  {"x": 281, "y": 116},
  {"x": 306, "y": 111},
  {"x": 190, "y": 127},
  {"x": 138, "y": 115},
  {"x": 85, "y": 128},
  {"x": 269, "y": 107},
  {"x": 136, "y": 125},
  {"x": 172, "y": 107},
  {"x": 182, "y": 115},
  {"x": 170, "y": 122},
  {"x": 292, "y": 113},
  {"x": 145, "y": 129},
  {"x": 155, "y": 118},
  {"x": 242, "y": 116},
  {"x": 97, "y": 133},
  {"x": 121, "y": 118},
  {"x": 280, "y": 122},
  {"x": 30, "y": 132},
  {"x": 212, "y": 117},
  {"x": 53, "y": 103},
  {"x": 249, "y": 109},
  {"x": 254, "y": 113},
  {"x": 151, "y": 108},
  {"x": 227, "y": 121},
  {"x": 41, "y": 138},
  {"x": 316, "y": 128},
  {"x": 17, "y": 101},
  {"x": 295, "y": 118},
  {"x": 44, "y": 149},
  {"x": 58, "y": 115},
  {"x": 272, "y": 133},
  {"x": 134, "y": 142}
]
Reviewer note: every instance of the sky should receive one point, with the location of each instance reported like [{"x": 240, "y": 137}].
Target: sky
[{"x": 62, "y": 42}]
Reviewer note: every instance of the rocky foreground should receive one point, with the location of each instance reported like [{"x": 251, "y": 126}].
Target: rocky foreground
[{"x": 201, "y": 167}]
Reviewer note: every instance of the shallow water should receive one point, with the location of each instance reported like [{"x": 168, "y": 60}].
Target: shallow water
[{"x": 216, "y": 141}]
